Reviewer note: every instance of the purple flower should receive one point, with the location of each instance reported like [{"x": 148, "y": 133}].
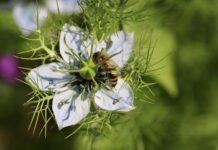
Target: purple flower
[{"x": 9, "y": 70}]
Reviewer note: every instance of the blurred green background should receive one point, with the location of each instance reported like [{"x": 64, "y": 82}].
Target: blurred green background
[{"x": 184, "y": 115}]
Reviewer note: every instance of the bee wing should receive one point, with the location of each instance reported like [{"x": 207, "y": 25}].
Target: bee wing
[{"x": 121, "y": 47}]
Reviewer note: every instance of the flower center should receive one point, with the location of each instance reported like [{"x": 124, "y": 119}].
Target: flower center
[
  {"x": 98, "y": 70},
  {"x": 89, "y": 70}
]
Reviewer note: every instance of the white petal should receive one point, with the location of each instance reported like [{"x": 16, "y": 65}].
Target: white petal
[
  {"x": 46, "y": 78},
  {"x": 98, "y": 46},
  {"x": 26, "y": 17},
  {"x": 122, "y": 45},
  {"x": 65, "y": 6},
  {"x": 74, "y": 39},
  {"x": 68, "y": 107},
  {"x": 118, "y": 99}
]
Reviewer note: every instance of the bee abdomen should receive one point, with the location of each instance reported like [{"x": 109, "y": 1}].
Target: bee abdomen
[
  {"x": 108, "y": 68},
  {"x": 113, "y": 78}
]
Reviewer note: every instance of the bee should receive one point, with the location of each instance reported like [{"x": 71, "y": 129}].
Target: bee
[{"x": 108, "y": 71}]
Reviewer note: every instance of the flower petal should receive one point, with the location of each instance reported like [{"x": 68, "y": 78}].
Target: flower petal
[
  {"x": 26, "y": 17},
  {"x": 118, "y": 99},
  {"x": 68, "y": 107},
  {"x": 46, "y": 78},
  {"x": 74, "y": 39},
  {"x": 122, "y": 45},
  {"x": 64, "y": 6}
]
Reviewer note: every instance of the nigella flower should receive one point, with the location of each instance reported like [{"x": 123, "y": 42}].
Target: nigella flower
[
  {"x": 89, "y": 72},
  {"x": 63, "y": 6},
  {"x": 26, "y": 16},
  {"x": 9, "y": 68}
]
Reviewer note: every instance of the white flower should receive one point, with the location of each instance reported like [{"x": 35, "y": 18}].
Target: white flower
[
  {"x": 70, "y": 105},
  {"x": 25, "y": 16},
  {"x": 64, "y": 6}
]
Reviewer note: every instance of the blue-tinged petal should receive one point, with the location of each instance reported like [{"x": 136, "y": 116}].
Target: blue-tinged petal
[
  {"x": 68, "y": 107},
  {"x": 25, "y": 17},
  {"x": 119, "y": 98},
  {"x": 47, "y": 78},
  {"x": 64, "y": 6},
  {"x": 121, "y": 45},
  {"x": 74, "y": 40}
]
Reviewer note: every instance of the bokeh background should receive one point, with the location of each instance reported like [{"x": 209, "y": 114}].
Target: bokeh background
[{"x": 184, "y": 115}]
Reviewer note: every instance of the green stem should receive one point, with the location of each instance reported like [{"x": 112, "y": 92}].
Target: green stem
[{"x": 70, "y": 71}]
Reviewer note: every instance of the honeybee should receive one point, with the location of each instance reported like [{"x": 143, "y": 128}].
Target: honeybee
[{"x": 108, "y": 71}]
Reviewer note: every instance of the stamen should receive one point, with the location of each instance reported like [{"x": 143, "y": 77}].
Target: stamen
[{"x": 96, "y": 84}]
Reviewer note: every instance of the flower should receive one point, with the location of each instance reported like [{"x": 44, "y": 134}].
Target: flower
[
  {"x": 81, "y": 77},
  {"x": 9, "y": 68},
  {"x": 63, "y": 6},
  {"x": 25, "y": 16}
]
